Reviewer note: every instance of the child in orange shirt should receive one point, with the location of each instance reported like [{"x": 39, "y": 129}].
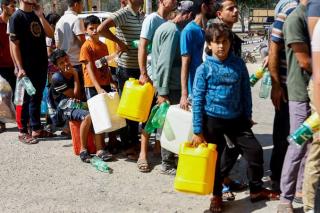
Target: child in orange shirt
[{"x": 96, "y": 80}]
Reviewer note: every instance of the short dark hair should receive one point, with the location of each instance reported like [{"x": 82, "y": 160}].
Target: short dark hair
[
  {"x": 91, "y": 20},
  {"x": 218, "y": 5},
  {"x": 56, "y": 55},
  {"x": 215, "y": 31},
  {"x": 197, "y": 4},
  {"x": 72, "y": 2},
  {"x": 52, "y": 18}
]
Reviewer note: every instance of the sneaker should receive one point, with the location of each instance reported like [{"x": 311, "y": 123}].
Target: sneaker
[{"x": 168, "y": 171}]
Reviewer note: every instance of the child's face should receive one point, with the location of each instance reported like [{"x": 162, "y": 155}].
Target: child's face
[
  {"x": 92, "y": 31},
  {"x": 220, "y": 48},
  {"x": 229, "y": 12},
  {"x": 63, "y": 63}
]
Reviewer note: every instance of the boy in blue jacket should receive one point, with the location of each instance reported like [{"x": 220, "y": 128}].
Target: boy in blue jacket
[{"x": 222, "y": 105}]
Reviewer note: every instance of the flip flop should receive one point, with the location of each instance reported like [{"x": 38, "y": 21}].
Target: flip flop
[
  {"x": 143, "y": 165},
  {"x": 43, "y": 134},
  {"x": 27, "y": 139}
]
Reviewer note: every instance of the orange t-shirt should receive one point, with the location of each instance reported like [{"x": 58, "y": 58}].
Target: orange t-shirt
[{"x": 91, "y": 51}]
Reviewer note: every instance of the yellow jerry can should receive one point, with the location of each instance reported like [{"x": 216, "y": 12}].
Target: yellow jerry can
[
  {"x": 196, "y": 168},
  {"x": 136, "y": 100}
]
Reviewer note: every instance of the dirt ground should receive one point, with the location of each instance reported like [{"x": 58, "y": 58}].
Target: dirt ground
[{"x": 48, "y": 177}]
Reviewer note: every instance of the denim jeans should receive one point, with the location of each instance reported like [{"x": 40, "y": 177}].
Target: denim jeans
[{"x": 31, "y": 104}]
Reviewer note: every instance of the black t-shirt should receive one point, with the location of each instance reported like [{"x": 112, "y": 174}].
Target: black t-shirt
[
  {"x": 26, "y": 28},
  {"x": 59, "y": 84},
  {"x": 236, "y": 45}
]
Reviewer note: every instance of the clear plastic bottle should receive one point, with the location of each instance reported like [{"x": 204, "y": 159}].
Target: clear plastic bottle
[
  {"x": 101, "y": 62},
  {"x": 149, "y": 128},
  {"x": 265, "y": 85},
  {"x": 99, "y": 164},
  {"x": 28, "y": 85},
  {"x": 19, "y": 93}
]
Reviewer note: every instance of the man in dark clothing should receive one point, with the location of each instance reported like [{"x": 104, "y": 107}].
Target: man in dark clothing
[{"x": 28, "y": 29}]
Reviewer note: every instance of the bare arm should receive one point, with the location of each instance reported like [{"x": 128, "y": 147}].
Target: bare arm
[
  {"x": 104, "y": 30},
  {"x": 142, "y": 59},
  {"x": 15, "y": 50},
  {"x": 46, "y": 26},
  {"x": 316, "y": 79},
  {"x": 274, "y": 62},
  {"x": 92, "y": 77},
  {"x": 186, "y": 59},
  {"x": 301, "y": 51}
]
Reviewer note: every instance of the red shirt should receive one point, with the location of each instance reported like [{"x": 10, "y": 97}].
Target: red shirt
[{"x": 5, "y": 57}]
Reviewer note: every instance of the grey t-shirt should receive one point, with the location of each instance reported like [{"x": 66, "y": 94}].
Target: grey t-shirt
[{"x": 296, "y": 31}]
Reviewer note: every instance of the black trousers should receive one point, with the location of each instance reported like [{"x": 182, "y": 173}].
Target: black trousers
[
  {"x": 129, "y": 135},
  {"x": 239, "y": 131}
]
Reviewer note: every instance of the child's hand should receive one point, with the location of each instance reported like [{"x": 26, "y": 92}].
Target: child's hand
[
  {"x": 184, "y": 103},
  {"x": 100, "y": 90},
  {"x": 114, "y": 86},
  {"x": 197, "y": 140}
]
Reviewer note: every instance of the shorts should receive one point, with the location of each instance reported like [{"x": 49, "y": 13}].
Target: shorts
[
  {"x": 76, "y": 114},
  {"x": 91, "y": 91}
]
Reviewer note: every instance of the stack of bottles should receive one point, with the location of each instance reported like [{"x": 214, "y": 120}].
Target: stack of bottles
[{"x": 306, "y": 130}]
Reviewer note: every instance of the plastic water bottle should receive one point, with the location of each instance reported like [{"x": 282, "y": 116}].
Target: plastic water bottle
[
  {"x": 254, "y": 78},
  {"x": 18, "y": 93},
  {"x": 160, "y": 116},
  {"x": 135, "y": 44},
  {"x": 99, "y": 164},
  {"x": 28, "y": 85},
  {"x": 149, "y": 128},
  {"x": 306, "y": 130},
  {"x": 101, "y": 62},
  {"x": 265, "y": 85}
]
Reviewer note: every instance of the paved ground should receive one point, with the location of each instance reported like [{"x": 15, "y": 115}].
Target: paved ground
[{"x": 47, "y": 177}]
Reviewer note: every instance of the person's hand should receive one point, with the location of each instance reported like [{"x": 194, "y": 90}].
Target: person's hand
[
  {"x": 162, "y": 99},
  {"x": 197, "y": 140},
  {"x": 100, "y": 90},
  {"x": 277, "y": 96},
  {"x": 114, "y": 86},
  {"x": 265, "y": 62},
  {"x": 144, "y": 78},
  {"x": 122, "y": 47},
  {"x": 21, "y": 73},
  {"x": 184, "y": 103},
  {"x": 38, "y": 10}
]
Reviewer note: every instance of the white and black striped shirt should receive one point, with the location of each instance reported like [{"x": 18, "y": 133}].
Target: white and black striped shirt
[{"x": 128, "y": 28}]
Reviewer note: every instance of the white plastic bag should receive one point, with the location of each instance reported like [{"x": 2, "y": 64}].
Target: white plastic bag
[{"x": 7, "y": 111}]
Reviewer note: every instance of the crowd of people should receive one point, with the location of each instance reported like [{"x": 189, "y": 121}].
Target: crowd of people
[{"x": 195, "y": 62}]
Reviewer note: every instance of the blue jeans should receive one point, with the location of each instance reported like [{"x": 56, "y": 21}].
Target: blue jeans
[{"x": 31, "y": 104}]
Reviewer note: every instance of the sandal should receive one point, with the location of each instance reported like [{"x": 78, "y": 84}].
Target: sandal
[
  {"x": 235, "y": 185},
  {"x": 216, "y": 204},
  {"x": 227, "y": 194},
  {"x": 285, "y": 208},
  {"x": 27, "y": 139},
  {"x": 104, "y": 155},
  {"x": 85, "y": 156},
  {"x": 143, "y": 165},
  {"x": 298, "y": 200},
  {"x": 264, "y": 194},
  {"x": 43, "y": 134}
]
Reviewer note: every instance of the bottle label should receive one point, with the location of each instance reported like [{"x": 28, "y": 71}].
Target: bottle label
[
  {"x": 313, "y": 122},
  {"x": 301, "y": 135}
]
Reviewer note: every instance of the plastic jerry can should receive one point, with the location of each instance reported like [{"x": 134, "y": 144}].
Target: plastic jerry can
[
  {"x": 136, "y": 100},
  {"x": 75, "y": 134},
  {"x": 103, "y": 108},
  {"x": 177, "y": 128},
  {"x": 196, "y": 168}
]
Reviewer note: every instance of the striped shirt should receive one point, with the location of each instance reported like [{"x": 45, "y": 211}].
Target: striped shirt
[
  {"x": 128, "y": 28},
  {"x": 284, "y": 8}
]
